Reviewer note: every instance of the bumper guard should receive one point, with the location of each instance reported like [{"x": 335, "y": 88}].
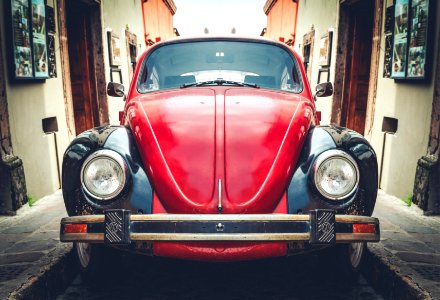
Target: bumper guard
[{"x": 121, "y": 227}]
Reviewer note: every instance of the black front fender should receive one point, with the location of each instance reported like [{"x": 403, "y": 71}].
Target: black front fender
[
  {"x": 137, "y": 194},
  {"x": 302, "y": 195}
]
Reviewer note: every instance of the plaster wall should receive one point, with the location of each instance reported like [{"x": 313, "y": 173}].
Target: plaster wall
[
  {"x": 322, "y": 16},
  {"x": 28, "y": 104},
  {"x": 113, "y": 21},
  {"x": 411, "y": 104}
]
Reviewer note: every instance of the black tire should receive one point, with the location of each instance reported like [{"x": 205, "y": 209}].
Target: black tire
[
  {"x": 351, "y": 257},
  {"x": 96, "y": 262},
  {"x": 343, "y": 262}
]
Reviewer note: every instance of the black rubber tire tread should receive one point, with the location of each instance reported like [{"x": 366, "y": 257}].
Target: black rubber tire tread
[{"x": 104, "y": 263}]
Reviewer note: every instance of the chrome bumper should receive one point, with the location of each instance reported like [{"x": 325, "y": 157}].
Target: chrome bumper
[{"x": 319, "y": 227}]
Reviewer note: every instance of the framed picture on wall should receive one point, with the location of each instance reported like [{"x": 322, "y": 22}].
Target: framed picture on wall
[
  {"x": 325, "y": 49},
  {"x": 19, "y": 19},
  {"x": 418, "y": 39},
  {"x": 323, "y": 75},
  {"x": 114, "y": 48},
  {"x": 412, "y": 45},
  {"x": 27, "y": 37},
  {"x": 39, "y": 39},
  {"x": 400, "y": 43}
]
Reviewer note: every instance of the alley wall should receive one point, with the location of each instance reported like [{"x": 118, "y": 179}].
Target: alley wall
[
  {"x": 320, "y": 16},
  {"x": 113, "y": 22},
  {"x": 29, "y": 103},
  {"x": 410, "y": 102}
]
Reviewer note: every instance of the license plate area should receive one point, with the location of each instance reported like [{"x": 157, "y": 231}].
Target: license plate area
[
  {"x": 116, "y": 227},
  {"x": 322, "y": 227}
]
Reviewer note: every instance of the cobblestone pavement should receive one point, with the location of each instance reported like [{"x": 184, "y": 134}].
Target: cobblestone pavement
[
  {"x": 158, "y": 278},
  {"x": 29, "y": 243},
  {"x": 404, "y": 265},
  {"x": 409, "y": 246}
]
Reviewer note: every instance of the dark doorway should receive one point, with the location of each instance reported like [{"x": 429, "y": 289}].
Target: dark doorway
[
  {"x": 357, "y": 67},
  {"x": 82, "y": 66}
]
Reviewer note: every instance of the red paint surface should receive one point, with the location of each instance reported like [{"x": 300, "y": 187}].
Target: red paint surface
[
  {"x": 248, "y": 138},
  {"x": 190, "y": 139}
]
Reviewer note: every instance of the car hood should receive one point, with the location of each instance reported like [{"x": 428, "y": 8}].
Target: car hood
[{"x": 208, "y": 146}]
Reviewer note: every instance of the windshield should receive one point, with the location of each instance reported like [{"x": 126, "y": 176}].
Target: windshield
[{"x": 235, "y": 63}]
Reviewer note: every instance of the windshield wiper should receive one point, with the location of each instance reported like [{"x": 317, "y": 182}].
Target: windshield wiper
[{"x": 219, "y": 82}]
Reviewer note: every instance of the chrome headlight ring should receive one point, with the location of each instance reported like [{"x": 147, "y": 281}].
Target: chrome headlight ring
[
  {"x": 336, "y": 175},
  {"x": 104, "y": 174}
]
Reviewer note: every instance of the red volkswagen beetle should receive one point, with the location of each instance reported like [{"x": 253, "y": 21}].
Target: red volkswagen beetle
[{"x": 219, "y": 157}]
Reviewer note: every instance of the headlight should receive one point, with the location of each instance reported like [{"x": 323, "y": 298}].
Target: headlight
[
  {"x": 336, "y": 174},
  {"x": 103, "y": 174}
]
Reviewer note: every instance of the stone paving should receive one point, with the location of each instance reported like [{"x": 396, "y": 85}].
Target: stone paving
[
  {"x": 404, "y": 265},
  {"x": 30, "y": 247},
  {"x": 409, "y": 247}
]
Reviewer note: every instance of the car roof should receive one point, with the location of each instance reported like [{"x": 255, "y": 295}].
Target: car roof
[{"x": 264, "y": 40}]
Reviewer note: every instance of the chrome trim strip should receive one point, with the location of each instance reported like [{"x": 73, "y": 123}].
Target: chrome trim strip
[
  {"x": 212, "y": 217},
  {"x": 82, "y": 237},
  {"x": 357, "y": 237},
  {"x": 220, "y": 237},
  {"x": 340, "y": 237},
  {"x": 219, "y": 207}
]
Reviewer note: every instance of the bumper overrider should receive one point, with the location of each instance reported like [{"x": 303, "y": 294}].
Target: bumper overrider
[{"x": 120, "y": 227}]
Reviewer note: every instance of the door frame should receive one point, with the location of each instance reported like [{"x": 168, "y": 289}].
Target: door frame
[
  {"x": 5, "y": 131},
  {"x": 341, "y": 70},
  {"x": 98, "y": 61}
]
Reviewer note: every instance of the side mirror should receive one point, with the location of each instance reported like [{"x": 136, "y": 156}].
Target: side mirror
[
  {"x": 324, "y": 89},
  {"x": 115, "y": 89}
]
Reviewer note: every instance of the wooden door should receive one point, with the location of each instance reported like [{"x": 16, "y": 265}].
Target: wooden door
[
  {"x": 82, "y": 75},
  {"x": 358, "y": 66}
]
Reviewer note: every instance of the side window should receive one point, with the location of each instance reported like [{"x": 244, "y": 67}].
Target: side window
[
  {"x": 286, "y": 80},
  {"x": 153, "y": 80},
  {"x": 150, "y": 81}
]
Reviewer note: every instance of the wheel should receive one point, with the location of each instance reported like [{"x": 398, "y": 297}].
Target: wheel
[
  {"x": 343, "y": 262},
  {"x": 96, "y": 262},
  {"x": 350, "y": 258}
]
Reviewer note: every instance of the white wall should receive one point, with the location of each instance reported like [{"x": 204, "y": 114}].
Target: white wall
[
  {"x": 118, "y": 16},
  {"x": 322, "y": 15},
  {"x": 411, "y": 104},
  {"x": 28, "y": 104}
]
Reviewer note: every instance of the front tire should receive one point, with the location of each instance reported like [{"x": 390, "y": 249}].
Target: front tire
[
  {"x": 350, "y": 258},
  {"x": 344, "y": 262},
  {"x": 94, "y": 261}
]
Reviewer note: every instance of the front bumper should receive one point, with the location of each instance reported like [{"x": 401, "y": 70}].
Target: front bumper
[{"x": 319, "y": 227}]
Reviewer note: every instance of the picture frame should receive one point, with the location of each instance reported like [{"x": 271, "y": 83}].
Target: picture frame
[
  {"x": 323, "y": 75},
  {"x": 39, "y": 39},
  {"x": 400, "y": 39},
  {"x": 325, "y": 49},
  {"x": 419, "y": 45},
  {"x": 114, "y": 48},
  {"x": 412, "y": 44},
  {"x": 52, "y": 56},
  {"x": 50, "y": 19},
  {"x": 18, "y": 19},
  {"x": 118, "y": 73},
  {"x": 388, "y": 52},
  {"x": 27, "y": 37}
]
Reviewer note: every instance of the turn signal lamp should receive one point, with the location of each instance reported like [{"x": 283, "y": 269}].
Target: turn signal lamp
[
  {"x": 364, "y": 228},
  {"x": 75, "y": 228}
]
